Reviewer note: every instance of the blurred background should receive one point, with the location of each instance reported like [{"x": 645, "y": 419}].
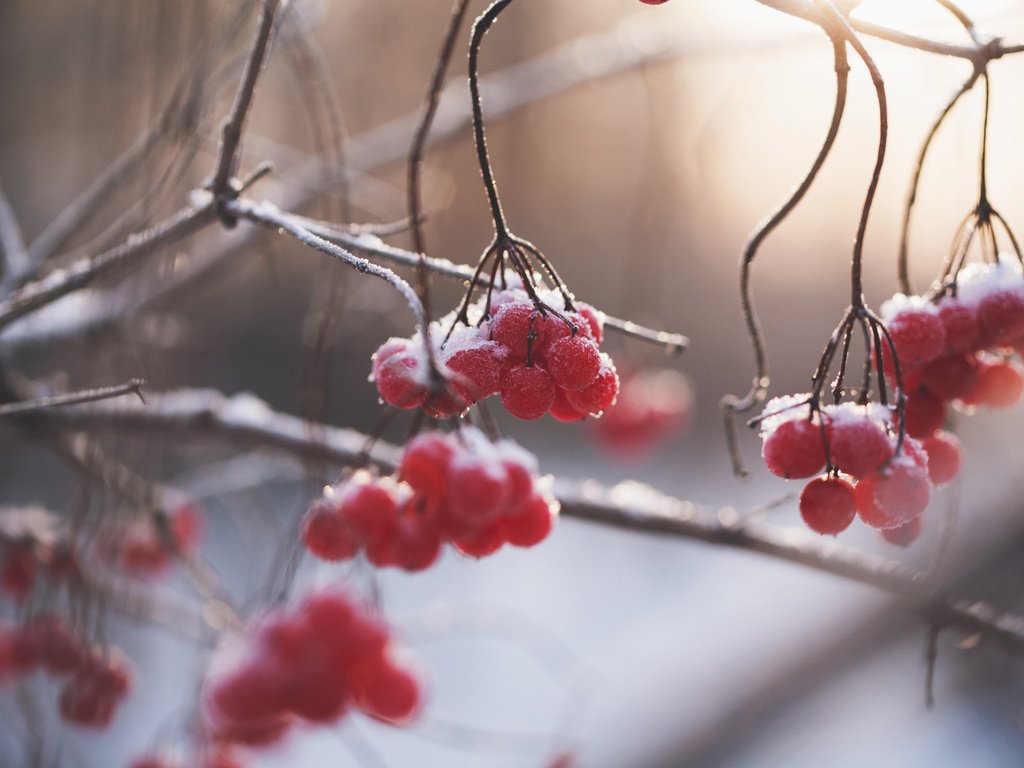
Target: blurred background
[{"x": 642, "y": 187}]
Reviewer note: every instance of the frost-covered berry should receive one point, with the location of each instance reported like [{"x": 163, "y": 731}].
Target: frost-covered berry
[
  {"x": 950, "y": 376},
  {"x": 573, "y": 362},
  {"x": 1000, "y": 384},
  {"x": 599, "y": 395},
  {"x": 858, "y": 443},
  {"x": 399, "y": 374},
  {"x": 794, "y": 449},
  {"x": 527, "y": 392},
  {"x": 1001, "y": 315},
  {"x": 960, "y": 322},
  {"x": 827, "y": 505},
  {"x": 326, "y": 534},
  {"x": 918, "y": 335},
  {"x": 893, "y": 496},
  {"x": 904, "y": 535},
  {"x": 513, "y": 326}
]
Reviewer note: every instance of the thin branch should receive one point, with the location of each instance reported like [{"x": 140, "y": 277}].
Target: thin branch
[
  {"x": 269, "y": 216},
  {"x": 731, "y": 404},
  {"x": 246, "y": 421},
  {"x": 13, "y": 255},
  {"x": 673, "y": 343},
  {"x": 908, "y": 207},
  {"x": 84, "y": 272},
  {"x": 231, "y": 133},
  {"x": 133, "y": 387}
]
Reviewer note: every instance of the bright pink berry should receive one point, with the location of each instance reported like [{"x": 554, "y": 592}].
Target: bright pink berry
[
  {"x": 918, "y": 336},
  {"x": 595, "y": 320},
  {"x": 794, "y": 449},
  {"x": 573, "y": 362},
  {"x": 858, "y": 444},
  {"x": 527, "y": 392},
  {"x": 944, "y": 454},
  {"x": 827, "y": 505}
]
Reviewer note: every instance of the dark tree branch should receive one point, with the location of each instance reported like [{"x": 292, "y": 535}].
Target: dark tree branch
[
  {"x": 245, "y": 421},
  {"x": 133, "y": 387}
]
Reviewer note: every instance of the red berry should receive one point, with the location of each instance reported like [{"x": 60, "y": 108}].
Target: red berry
[
  {"x": 923, "y": 413},
  {"x": 392, "y": 693},
  {"x": 532, "y": 523},
  {"x": 904, "y": 535},
  {"x": 918, "y": 336},
  {"x": 794, "y": 449},
  {"x": 1000, "y": 384},
  {"x": 477, "y": 371},
  {"x": 563, "y": 410},
  {"x": 512, "y": 327},
  {"x": 18, "y": 573},
  {"x": 600, "y": 395},
  {"x": 527, "y": 392},
  {"x": 944, "y": 453},
  {"x": 59, "y": 651},
  {"x": 1001, "y": 315},
  {"x": 325, "y": 534},
  {"x": 367, "y": 508},
  {"x": 827, "y": 505},
  {"x": 425, "y": 461},
  {"x": 960, "y": 323},
  {"x": 595, "y": 321},
  {"x": 478, "y": 489},
  {"x": 894, "y": 496},
  {"x": 857, "y": 443},
  {"x": 951, "y": 376},
  {"x": 483, "y": 541},
  {"x": 398, "y": 374},
  {"x": 573, "y": 362},
  {"x": 415, "y": 543}
]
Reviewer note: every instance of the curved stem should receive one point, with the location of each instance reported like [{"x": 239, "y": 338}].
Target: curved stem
[
  {"x": 983, "y": 206},
  {"x": 731, "y": 404},
  {"x": 856, "y": 281},
  {"x": 480, "y": 28},
  {"x": 903, "y": 266}
]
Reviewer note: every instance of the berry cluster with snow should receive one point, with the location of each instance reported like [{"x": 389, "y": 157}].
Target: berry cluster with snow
[
  {"x": 856, "y": 445},
  {"x": 538, "y": 362},
  {"x": 96, "y": 680},
  {"x": 311, "y": 664},
  {"x": 459, "y": 488}
]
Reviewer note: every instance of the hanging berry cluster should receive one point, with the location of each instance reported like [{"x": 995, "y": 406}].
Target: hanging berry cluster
[
  {"x": 869, "y": 471},
  {"x": 96, "y": 680},
  {"x": 538, "y": 361},
  {"x": 146, "y": 545},
  {"x": 459, "y": 488},
  {"x": 312, "y": 664}
]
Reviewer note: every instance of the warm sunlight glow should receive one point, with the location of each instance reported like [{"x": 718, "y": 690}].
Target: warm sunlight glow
[{"x": 902, "y": 14}]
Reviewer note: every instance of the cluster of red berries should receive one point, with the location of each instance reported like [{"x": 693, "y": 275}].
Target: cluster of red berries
[
  {"x": 865, "y": 475},
  {"x": 311, "y": 664},
  {"x": 96, "y": 680},
  {"x": 653, "y": 405},
  {"x": 957, "y": 349},
  {"x": 460, "y": 488},
  {"x": 538, "y": 362},
  {"x": 146, "y": 545}
]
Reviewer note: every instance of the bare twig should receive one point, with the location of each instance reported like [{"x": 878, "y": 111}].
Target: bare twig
[
  {"x": 731, "y": 404},
  {"x": 231, "y": 132},
  {"x": 85, "y": 271},
  {"x": 246, "y": 421},
  {"x": 133, "y": 387}
]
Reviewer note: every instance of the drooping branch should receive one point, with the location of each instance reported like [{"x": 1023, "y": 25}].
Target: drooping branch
[
  {"x": 731, "y": 404},
  {"x": 133, "y": 387},
  {"x": 245, "y": 421}
]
